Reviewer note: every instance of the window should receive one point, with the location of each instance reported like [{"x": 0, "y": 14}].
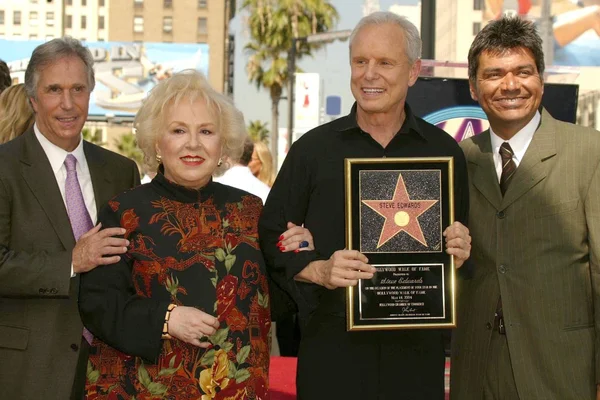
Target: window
[
  {"x": 84, "y": 3},
  {"x": 33, "y": 18},
  {"x": 83, "y": 22},
  {"x": 100, "y": 3},
  {"x": 68, "y": 21},
  {"x": 33, "y": 1},
  {"x": 138, "y": 24},
  {"x": 138, "y": 3},
  {"x": 32, "y": 36},
  {"x": 50, "y": 18},
  {"x": 478, "y": 5},
  {"x": 202, "y": 30},
  {"x": 202, "y": 3},
  {"x": 101, "y": 22},
  {"x": 16, "y": 17},
  {"x": 69, "y": 2},
  {"x": 476, "y": 28},
  {"x": 168, "y": 3},
  {"x": 168, "y": 24},
  {"x": 1, "y": 17}
]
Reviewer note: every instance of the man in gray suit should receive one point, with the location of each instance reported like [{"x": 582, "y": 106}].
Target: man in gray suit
[
  {"x": 529, "y": 319},
  {"x": 42, "y": 351}
]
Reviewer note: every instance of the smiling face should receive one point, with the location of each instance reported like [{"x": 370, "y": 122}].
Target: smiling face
[
  {"x": 509, "y": 89},
  {"x": 190, "y": 147},
  {"x": 61, "y": 103},
  {"x": 381, "y": 72}
]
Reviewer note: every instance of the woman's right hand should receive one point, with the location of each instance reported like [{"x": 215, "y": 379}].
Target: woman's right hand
[{"x": 190, "y": 325}]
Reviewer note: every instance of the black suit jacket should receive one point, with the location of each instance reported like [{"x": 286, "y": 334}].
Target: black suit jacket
[{"x": 40, "y": 328}]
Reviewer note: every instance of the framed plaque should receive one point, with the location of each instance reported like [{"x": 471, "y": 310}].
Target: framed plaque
[{"x": 396, "y": 211}]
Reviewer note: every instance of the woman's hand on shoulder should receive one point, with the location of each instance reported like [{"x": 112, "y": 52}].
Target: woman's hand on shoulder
[
  {"x": 296, "y": 238},
  {"x": 191, "y": 325}
]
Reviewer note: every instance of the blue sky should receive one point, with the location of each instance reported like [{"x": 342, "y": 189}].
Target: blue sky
[{"x": 331, "y": 63}]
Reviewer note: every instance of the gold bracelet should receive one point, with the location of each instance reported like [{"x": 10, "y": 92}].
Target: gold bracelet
[{"x": 165, "y": 332}]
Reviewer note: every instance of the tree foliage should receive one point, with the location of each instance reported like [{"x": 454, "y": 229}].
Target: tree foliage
[
  {"x": 258, "y": 131},
  {"x": 272, "y": 25}
]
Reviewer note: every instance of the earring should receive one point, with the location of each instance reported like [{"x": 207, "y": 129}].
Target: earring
[
  {"x": 158, "y": 158},
  {"x": 220, "y": 162}
]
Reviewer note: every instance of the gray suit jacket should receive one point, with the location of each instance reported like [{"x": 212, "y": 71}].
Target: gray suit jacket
[
  {"x": 40, "y": 328},
  {"x": 539, "y": 248}
]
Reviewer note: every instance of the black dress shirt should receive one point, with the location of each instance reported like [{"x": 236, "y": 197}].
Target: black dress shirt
[{"x": 309, "y": 190}]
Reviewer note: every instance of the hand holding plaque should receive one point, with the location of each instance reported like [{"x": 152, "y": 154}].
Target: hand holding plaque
[{"x": 396, "y": 211}]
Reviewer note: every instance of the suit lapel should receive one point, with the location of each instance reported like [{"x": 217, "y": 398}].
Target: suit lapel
[
  {"x": 532, "y": 169},
  {"x": 101, "y": 180},
  {"x": 37, "y": 174},
  {"x": 484, "y": 177}
]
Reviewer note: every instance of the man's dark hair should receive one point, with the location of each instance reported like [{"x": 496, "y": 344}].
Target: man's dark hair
[
  {"x": 247, "y": 154},
  {"x": 502, "y": 36},
  {"x": 5, "y": 79}
]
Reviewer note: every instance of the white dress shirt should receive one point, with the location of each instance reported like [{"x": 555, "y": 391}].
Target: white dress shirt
[
  {"x": 57, "y": 156},
  {"x": 519, "y": 143},
  {"x": 241, "y": 177}
]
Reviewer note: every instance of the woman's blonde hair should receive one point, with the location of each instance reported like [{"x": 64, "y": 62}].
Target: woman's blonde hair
[
  {"x": 266, "y": 173},
  {"x": 151, "y": 119},
  {"x": 16, "y": 115}
]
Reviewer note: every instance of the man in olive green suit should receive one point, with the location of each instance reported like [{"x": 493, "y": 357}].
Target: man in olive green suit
[
  {"x": 529, "y": 319},
  {"x": 42, "y": 351}
]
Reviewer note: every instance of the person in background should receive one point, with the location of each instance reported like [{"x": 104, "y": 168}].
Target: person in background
[
  {"x": 185, "y": 313},
  {"x": 16, "y": 114},
  {"x": 528, "y": 322},
  {"x": 5, "y": 79},
  {"x": 261, "y": 163},
  {"x": 52, "y": 183},
  {"x": 239, "y": 175}
]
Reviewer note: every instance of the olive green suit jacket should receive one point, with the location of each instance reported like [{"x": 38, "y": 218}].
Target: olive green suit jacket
[
  {"x": 40, "y": 328},
  {"x": 538, "y": 247}
]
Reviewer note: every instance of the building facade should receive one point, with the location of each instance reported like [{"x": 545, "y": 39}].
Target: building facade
[{"x": 167, "y": 21}]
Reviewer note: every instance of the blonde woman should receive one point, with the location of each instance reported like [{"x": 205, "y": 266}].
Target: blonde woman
[
  {"x": 16, "y": 115},
  {"x": 261, "y": 163}
]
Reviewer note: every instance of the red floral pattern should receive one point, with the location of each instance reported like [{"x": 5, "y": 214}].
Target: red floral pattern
[{"x": 203, "y": 254}]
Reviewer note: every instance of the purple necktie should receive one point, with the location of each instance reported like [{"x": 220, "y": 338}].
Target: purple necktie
[{"x": 78, "y": 213}]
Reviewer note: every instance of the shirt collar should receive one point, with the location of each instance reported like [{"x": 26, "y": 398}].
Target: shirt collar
[
  {"x": 57, "y": 155},
  {"x": 180, "y": 193},
  {"x": 349, "y": 122},
  {"x": 520, "y": 141}
]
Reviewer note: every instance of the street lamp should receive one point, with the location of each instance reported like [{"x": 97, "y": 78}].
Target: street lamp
[{"x": 316, "y": 38}]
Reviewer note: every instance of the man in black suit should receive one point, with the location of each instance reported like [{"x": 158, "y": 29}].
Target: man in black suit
[{"x": 43, "y": 352}]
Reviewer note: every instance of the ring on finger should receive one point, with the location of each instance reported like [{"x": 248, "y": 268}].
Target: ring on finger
[{"x": 303, "y": 244}]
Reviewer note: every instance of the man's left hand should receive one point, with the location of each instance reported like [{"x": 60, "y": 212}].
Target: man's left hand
[
  {"x": 598, "y": 391},
  {"x": 458, "y": 243}
]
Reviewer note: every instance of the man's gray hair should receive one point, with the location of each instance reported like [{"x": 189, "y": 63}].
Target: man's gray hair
[
  {"x": 52, "y": 51},
  {"x": 411, "y": 33}
]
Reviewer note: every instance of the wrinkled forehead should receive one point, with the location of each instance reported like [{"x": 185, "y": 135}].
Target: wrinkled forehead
[{"x": 195, "y": 100}]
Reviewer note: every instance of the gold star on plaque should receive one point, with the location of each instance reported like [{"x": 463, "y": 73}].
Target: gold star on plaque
[{"x": 400, "y": 214}]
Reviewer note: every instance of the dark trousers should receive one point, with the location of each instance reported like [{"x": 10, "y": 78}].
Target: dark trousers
[
  {"x": 288, "y": 335},
  {"x": 499, "y": 380},
  {"x": 384, "y": 365}
]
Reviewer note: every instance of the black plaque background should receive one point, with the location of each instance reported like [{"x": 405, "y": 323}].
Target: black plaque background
[{"x": 444, "y": 165}]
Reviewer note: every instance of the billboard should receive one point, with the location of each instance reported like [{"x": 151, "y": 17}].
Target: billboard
[
  {"x": 575, "y": 26},
  {"x": 447, "y": 104},
  {"x": 306, "y": 102},
  {"x": 125, "y": 71}
]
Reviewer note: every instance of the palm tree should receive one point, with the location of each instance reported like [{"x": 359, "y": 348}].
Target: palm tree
[
  {"x": 273, "y": 25},
  {"x": 93, "y": 137},
  {"x": 127, "y": 146},
  {"x": 258, "y": 131}
]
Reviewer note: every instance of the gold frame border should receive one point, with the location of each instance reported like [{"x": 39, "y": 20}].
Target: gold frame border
[{"x": 350, "y": 325}]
